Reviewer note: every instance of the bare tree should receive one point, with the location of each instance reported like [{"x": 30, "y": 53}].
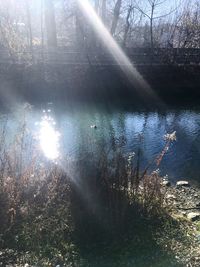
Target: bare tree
[
  {"x": 116, "y": 14},
  {"x": 50, "y": 23},
  {"x": 128, "y": 24},
  {"x": 42, "y": 25},
  {"x": 133, "y": 23},
  {"x": 187, "y": 30},
  {"x": 154, "y": 4},
  {"x": 30, "y": 34},
  {"x": 103, "y": 11},
  {"x": 96, "y": 6},
  {"x": 80, "y": 28},
  {"x": 12, "y": 35}
]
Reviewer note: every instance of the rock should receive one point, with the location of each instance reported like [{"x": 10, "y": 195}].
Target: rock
[
  {"x": 193, "y": 216},
  {"x": 182, "y": 183},
  {"x": 184, "y": 213},
  {"x": 166, "y": 183},
  {"x": 169, "y": 196}
]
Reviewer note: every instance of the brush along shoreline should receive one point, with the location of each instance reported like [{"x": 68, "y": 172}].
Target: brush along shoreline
[{"x": 180, "y": 234}]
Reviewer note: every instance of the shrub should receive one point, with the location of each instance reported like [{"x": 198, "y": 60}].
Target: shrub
[{"x": 45, "y": 211}]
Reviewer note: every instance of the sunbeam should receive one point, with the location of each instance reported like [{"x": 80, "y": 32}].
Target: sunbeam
[{"x": 136, "y": 79}]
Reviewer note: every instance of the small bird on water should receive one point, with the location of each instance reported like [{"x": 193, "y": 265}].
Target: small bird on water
[{"x": 93, "y": 126}]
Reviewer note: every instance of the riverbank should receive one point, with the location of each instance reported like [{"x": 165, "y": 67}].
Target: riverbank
[
  {"x": 172, "y": 240},
  {"x": 101, "y": 210},
  {"x": 39, "y": 83},
  {"x": 183, "y": 204}
]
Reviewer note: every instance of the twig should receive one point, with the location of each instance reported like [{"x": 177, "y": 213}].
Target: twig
[{"x": 192, "y": 208}]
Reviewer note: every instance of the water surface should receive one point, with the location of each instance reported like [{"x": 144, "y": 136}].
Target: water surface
[{"x": 129, "y": 128}]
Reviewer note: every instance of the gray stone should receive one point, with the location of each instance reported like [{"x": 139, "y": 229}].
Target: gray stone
[
  {"x": 166, "y": 183},
  {"x": 182, "y": 183},
  {"x": 193, "y": 216},
  {"x": 169, "y": 196}
]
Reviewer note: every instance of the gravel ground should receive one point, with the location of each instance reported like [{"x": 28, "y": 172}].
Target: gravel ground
[{"x": 183, "y": 203}]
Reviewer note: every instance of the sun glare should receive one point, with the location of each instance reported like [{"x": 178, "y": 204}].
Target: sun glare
[
  {"x": 136, "y": 79},
  {"x": 49, "y": 138}
]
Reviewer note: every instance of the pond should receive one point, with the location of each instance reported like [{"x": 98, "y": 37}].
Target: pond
[{"x": 71, "y": 130}]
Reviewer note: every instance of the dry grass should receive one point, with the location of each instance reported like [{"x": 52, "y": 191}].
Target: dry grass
[{"x": 48, "y": 219}]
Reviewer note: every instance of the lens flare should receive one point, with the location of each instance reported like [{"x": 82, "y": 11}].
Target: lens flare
[
  {"x": 136, "y": 79},
  {"x": 49, "y": 138}
]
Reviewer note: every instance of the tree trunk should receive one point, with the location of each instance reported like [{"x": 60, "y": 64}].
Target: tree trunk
[
  {"x": 127, "y": 27},
  {"x": 116, "y": 16},
  {"x": 42, "y": 24},
  {"x": 80, "y": 32},
  {"x": 30, "y": 35},
  {"x": 96, "y": 6},
  {"x": 151, "y": 26},
  {"x": 151, "y": 32},
  {"x": 50, "y": 24},
  {"x": 103, "y": 11}
]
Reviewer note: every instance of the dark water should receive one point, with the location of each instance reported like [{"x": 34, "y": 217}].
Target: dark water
[{"x": 73, "y": 122}]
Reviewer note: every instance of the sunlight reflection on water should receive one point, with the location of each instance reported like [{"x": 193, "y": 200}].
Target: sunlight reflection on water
[
  {"x": 49, "y": 137},
  {"x": 64, "y": 135}
]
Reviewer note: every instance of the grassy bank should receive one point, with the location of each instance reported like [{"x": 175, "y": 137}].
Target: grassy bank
[{"x": 106, "y": 211}]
